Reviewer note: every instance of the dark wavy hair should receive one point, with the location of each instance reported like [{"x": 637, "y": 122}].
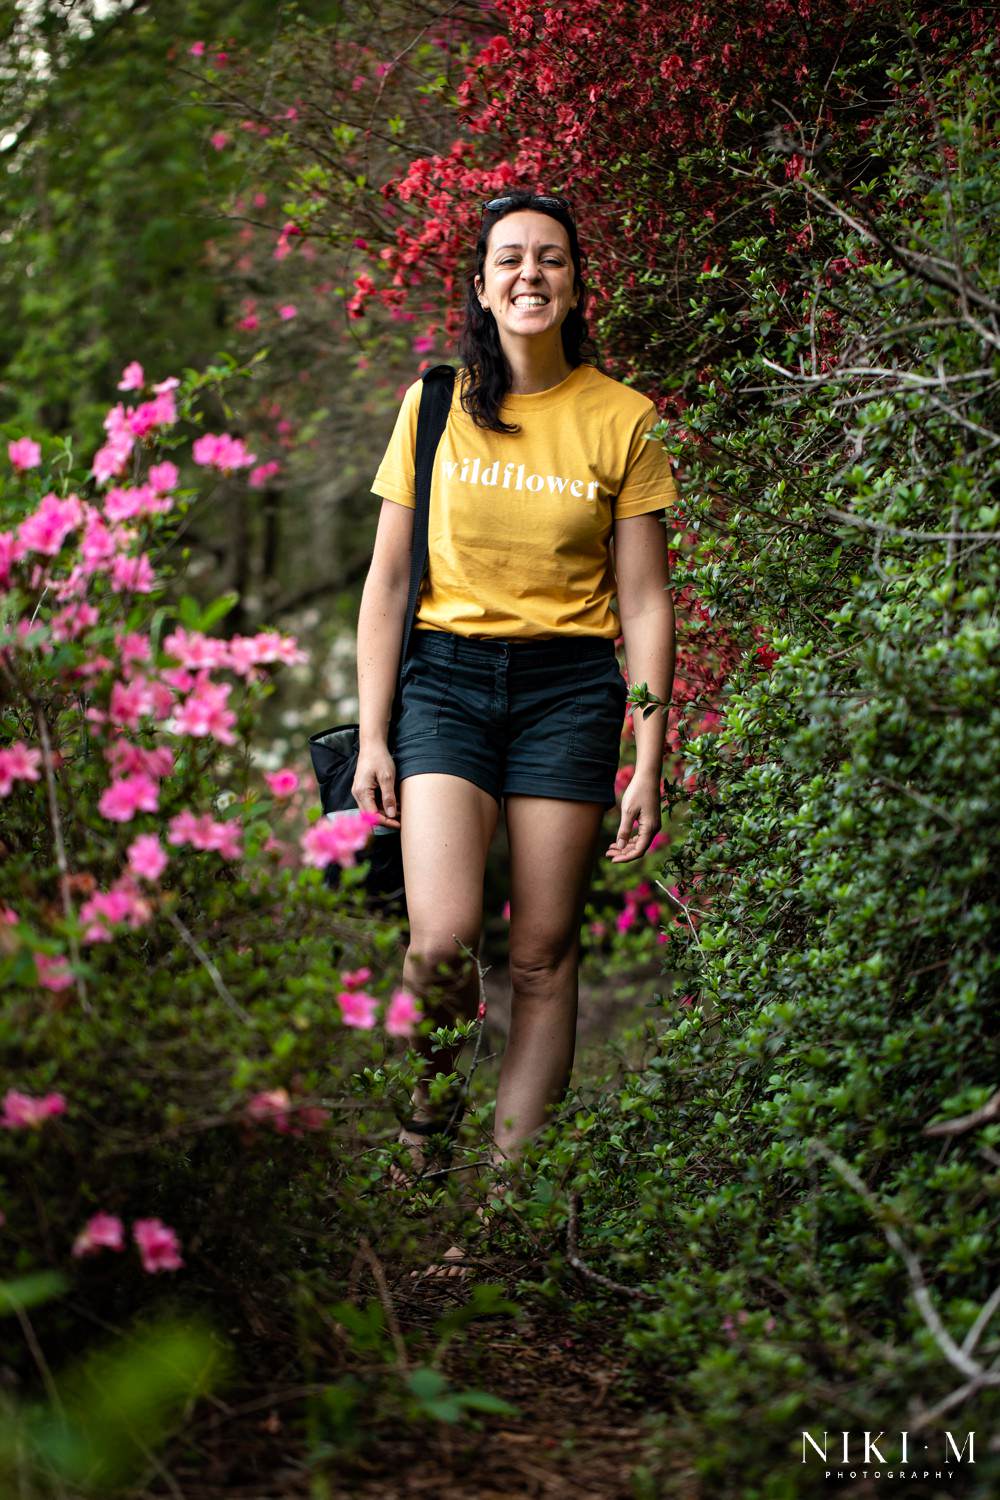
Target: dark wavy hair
[{"x": 488, "y": 375}]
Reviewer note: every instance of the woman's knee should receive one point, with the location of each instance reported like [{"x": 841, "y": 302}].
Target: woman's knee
[
  {"x": 436, "y": 957},
  {"x": 536, "y": 966}
]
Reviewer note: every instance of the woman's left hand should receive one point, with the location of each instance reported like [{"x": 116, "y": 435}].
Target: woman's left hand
[{"x": 640, "y": 804}]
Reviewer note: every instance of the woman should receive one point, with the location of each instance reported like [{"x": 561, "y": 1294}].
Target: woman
[{"x": 545, "y": 506}]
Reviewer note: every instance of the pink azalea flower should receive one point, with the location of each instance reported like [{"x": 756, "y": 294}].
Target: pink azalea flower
[
  {"x": 162, "y": 386},
  {"x": 133, "y": 378},
  {"x": 123, "y": 503},
  {"x": 282, "y": 783},
  {"x": 74, "y": 620},
  {"x": 162, "y": 477},
  {"x": 133, "y": 646},
  {"x": 402, "y": 1013},
  {"x": 132, "y": 575},
  {"x": 109, "y": 461},
  {"x": 123, "y": 757},
  {"x": 104, "y": 909},
  {"x": 195, "y": 649},
  {"x": 197, "y": 49},
  {"x": 219, "y": 140},
  {"x": 53, "y": 973},
  {"x": 22, "y": 1112},
  {"x": 160, "y": 412},
  {"x": 19, "y": 762},
  {"x": 625, "y": 919},
  {"x": 99, "y": 545},
  {"x": 221, "y": 451},
  {"x": 259, "y": 476},
  {"x": 131, "y": 702},
  {"x": 357, "y": 1008},
  {"x": 287, "y": 311},
  {"x": 11, "y": 551},
  {"x": 271, "y": 1106},
  {"x": 50, "y": 524},
  {"x": 205, "y": 833},
  {"x": 337, "y": 837},
  {"x": 158, "y": 1245},
  {"x": 264, "y": 647},
  {"x": 101, "y": 1232},
  {"x": 311, "y": 1117},
  {"x": 147, "y": 857},
  {"x": 24, "y": 453},
  {"x": 353, "y": 979},
  {"x": 120, "y": 801},
  {"x": 8, "y": 916},
  {"x": 204, "y": 712},
  {"x": 423, "y": 343}
]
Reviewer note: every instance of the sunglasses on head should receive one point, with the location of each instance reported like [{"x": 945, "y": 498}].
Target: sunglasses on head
[{"x": 493, "y": 204}]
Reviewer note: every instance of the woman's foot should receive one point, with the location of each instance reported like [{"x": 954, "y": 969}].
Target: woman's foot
[
  {"x": 455, "y": 1262},
  {"x": 399, "y": 1177}
]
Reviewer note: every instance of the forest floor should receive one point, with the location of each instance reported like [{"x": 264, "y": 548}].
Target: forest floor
[{"x": 577, "y": 1427}]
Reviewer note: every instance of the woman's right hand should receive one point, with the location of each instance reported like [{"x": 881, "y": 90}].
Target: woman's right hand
[{"x": 374, "y": 785}]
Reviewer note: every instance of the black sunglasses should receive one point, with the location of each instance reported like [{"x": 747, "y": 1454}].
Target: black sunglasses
[{"x": 493, "y": 204}]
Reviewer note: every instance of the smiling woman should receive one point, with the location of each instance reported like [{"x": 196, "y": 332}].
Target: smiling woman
[{"x": 511, "y": 694}]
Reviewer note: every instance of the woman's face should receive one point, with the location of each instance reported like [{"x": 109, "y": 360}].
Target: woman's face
[{"x": 528, "y": 273}]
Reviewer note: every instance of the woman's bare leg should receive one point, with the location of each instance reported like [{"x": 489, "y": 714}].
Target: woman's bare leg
[
  {"x": 446, "y": 826},
  {"x": 553, "y": 845}
]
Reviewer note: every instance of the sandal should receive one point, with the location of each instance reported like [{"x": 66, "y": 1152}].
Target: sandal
[{"x": 445, "y": 1127}]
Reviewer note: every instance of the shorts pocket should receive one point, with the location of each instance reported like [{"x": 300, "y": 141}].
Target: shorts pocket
[
  {"x": 598, "y": 718},
  {"x": 425, "y": 684}
]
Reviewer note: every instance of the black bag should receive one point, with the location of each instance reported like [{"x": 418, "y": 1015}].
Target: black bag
[{"x": 334, "y": 751}]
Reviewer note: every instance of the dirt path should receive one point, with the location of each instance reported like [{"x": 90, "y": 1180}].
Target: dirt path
[{"x": 578, "y": 1428}]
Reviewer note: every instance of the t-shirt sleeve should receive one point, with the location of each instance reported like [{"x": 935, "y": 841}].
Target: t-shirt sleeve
[
  {"x": 649, "y": 480},
  {"x": 395, "y": 478}
]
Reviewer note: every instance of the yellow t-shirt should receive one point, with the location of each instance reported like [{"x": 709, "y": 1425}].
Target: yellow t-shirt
[{"x": 520, "y": 522}]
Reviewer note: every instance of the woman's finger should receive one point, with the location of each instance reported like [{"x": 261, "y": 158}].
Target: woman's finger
[{"x": 387, "y": 782}]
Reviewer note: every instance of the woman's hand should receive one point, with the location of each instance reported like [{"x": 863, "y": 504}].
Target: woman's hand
[
  {"x": 640, "y": 804},
  {"x": 374, "y": 785}
]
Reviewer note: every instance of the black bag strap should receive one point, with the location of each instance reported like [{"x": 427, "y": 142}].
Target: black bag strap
[{"x": 432, "y": 417}]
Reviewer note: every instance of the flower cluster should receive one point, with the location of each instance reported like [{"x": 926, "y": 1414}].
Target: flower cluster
[
  {"x": 158, "y": 1245},
  {"x": 22, "y": 1112}
]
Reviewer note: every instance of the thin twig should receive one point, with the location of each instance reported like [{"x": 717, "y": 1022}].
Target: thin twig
[
  {"x": 919, "y": 797},
  {"x": 911, "y": 532},
  {"x": 382, "y": 1287},
  {"x": 982, "y": 1116},
  {"x": 211, "y": 970},
  {"x": 983, "y": 1316},
  {"x": 956, "y": 1356},
  {"x": 582, "y": 1269},
  {"x": 57, "y": 835}
]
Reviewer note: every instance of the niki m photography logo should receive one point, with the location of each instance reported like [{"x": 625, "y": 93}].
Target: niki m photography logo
[{"x": 880, "y": 1455}]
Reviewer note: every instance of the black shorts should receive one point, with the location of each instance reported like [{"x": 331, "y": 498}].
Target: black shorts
[{"x": 540, "y": 717}]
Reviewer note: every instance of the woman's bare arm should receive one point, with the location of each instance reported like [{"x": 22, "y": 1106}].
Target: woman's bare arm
[
  {"x": 380, "y": 638},
  {"x": 380, "y": 620}
]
